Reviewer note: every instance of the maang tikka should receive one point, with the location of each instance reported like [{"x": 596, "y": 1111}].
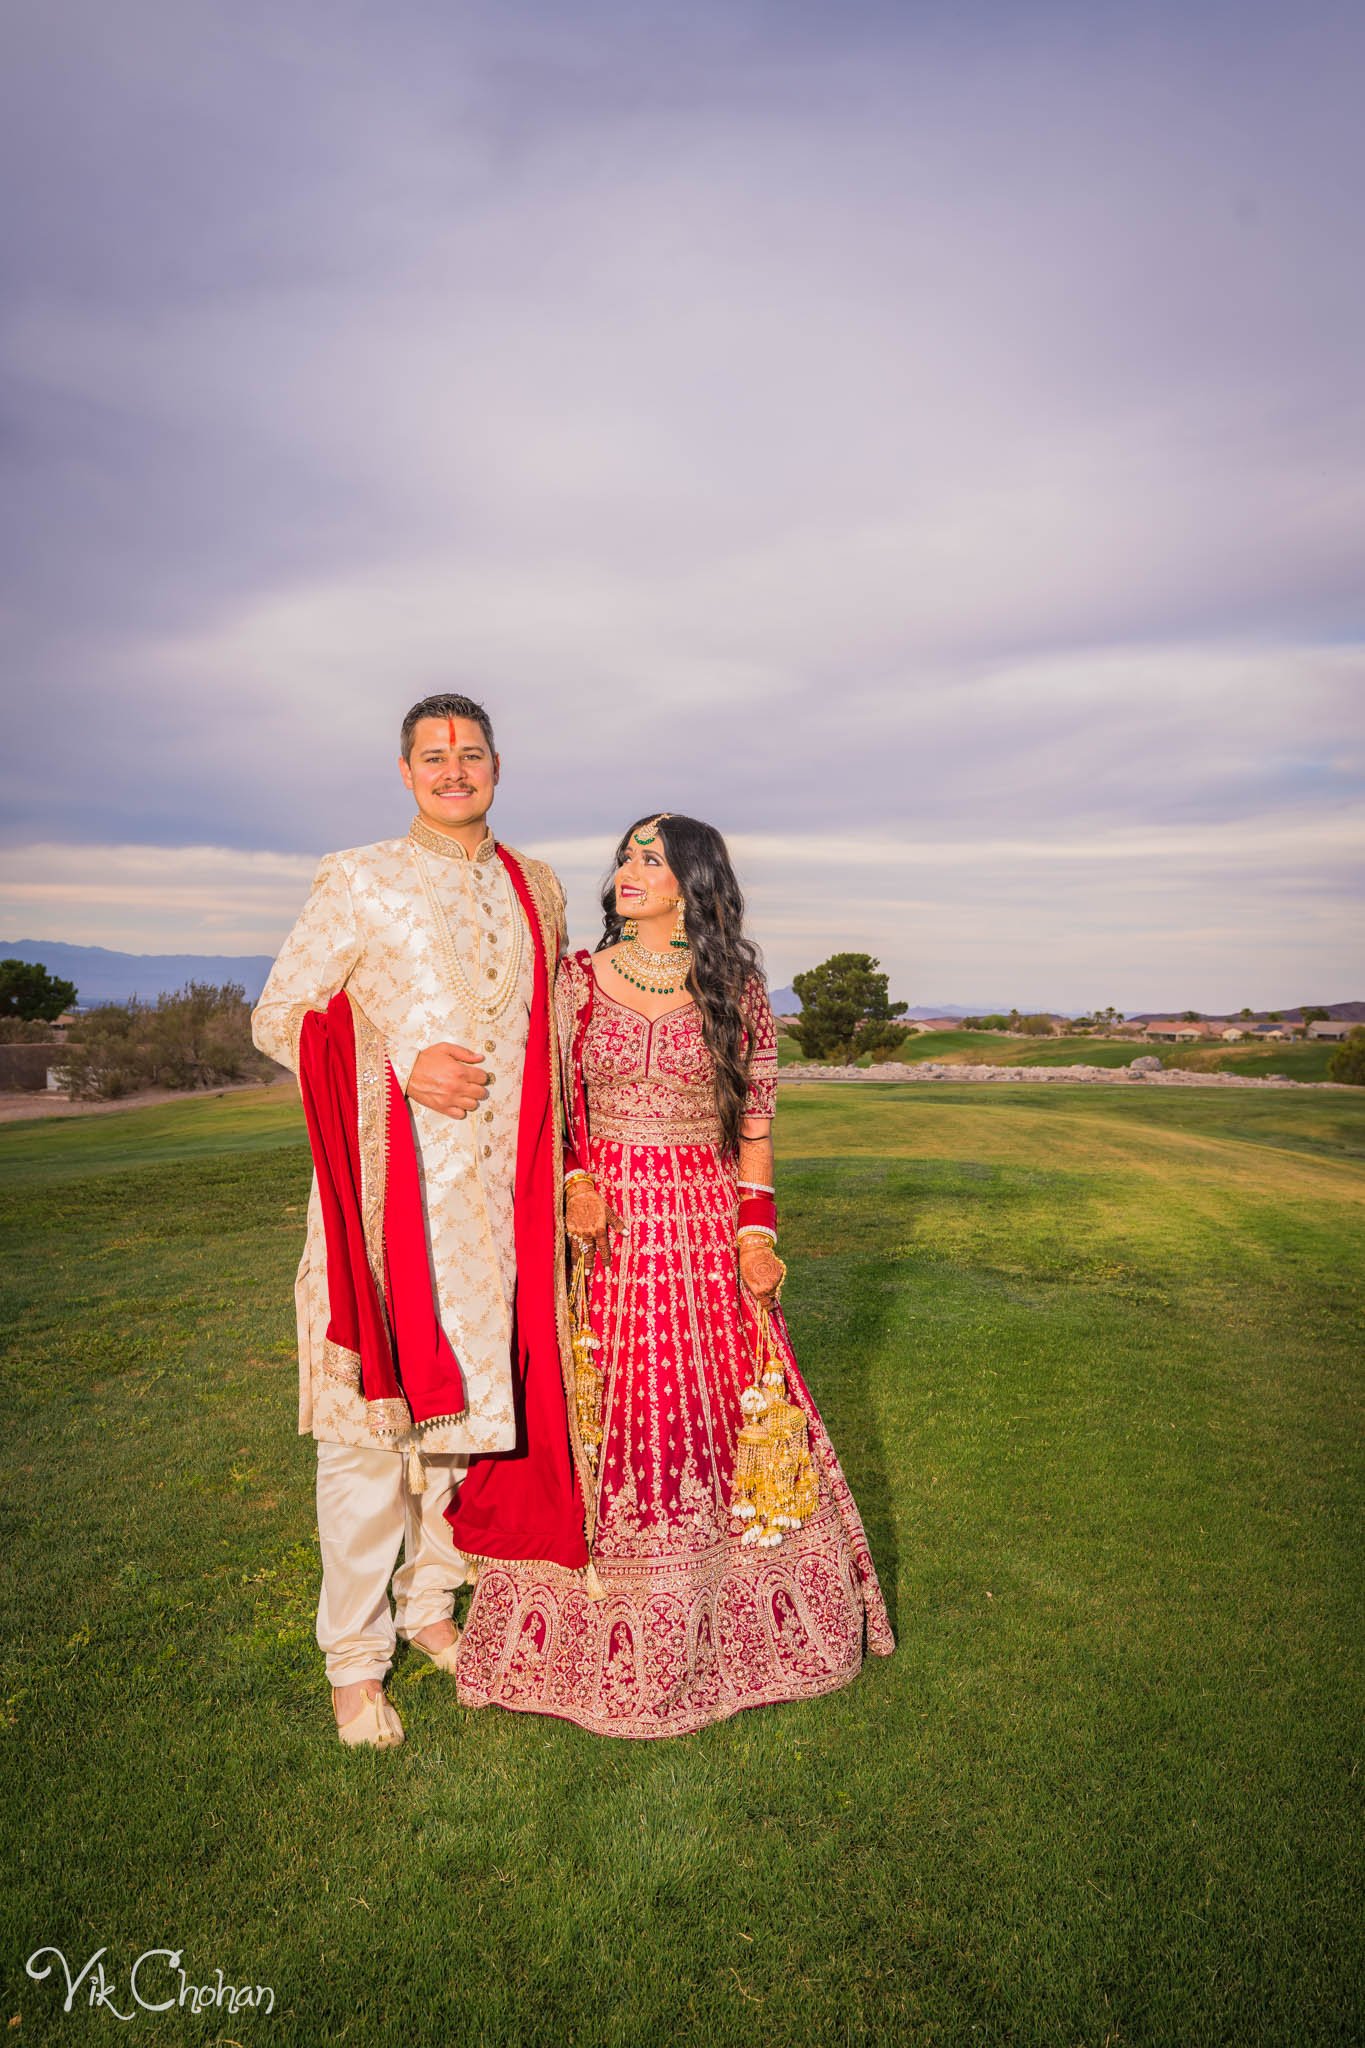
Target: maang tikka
[{"x": 645, "y": 835}]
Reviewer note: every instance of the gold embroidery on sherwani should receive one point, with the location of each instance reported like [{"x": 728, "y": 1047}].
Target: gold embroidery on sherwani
[
  {"x": 446, "y": 845},
  {"x": 294, "y": 1031},
  {"x": 367, "y": 928}
]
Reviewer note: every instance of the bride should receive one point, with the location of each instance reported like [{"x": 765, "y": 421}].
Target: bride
[{"x": 729, "y": 1564}]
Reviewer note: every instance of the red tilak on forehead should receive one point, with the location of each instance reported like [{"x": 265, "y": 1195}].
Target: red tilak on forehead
[{"x": 450, "y": 728}]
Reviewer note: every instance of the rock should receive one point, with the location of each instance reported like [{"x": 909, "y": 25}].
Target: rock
[{"x": 1148, "y": 1064}]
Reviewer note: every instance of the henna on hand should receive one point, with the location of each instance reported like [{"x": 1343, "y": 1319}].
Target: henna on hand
[
  {"x": 586, "y": 1215},
  {"x": 760, "y": 1269}
]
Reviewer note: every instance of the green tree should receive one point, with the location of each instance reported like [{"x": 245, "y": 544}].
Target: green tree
[
  {"x": 1190, "y": 1017},
  {"x": 1348, "y": 1061},
  {"x": 1102, "y": 1019},
  {"x": 846, "y": 1010},
  {"x": 1244, "y": 1012},
  {"x": 28, "y": 991}
]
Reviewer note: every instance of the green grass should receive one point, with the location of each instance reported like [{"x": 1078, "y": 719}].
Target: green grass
[{"x": 1091, "y": 1359}]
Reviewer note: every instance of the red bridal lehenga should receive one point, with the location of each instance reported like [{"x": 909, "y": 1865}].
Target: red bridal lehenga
[{"x": 695, "y": 1623}]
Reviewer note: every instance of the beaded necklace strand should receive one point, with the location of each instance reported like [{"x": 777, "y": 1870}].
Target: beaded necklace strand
[
  {"x": 478, "y": 1008},
  {"x": 656, "y": 974}
]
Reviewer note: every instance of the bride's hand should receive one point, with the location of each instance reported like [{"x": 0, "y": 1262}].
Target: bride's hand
[
  {"x": 585, "y": 1214},
  {"x": 760, "y": 1269}
]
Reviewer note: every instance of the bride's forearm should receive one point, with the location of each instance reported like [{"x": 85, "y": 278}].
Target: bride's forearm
[{"x": 756, "y": 1159}]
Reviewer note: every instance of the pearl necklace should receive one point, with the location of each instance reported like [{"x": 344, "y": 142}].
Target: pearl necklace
[
  {"x": 480, "y": 1009},
  {"x": 655, "y": 974}
]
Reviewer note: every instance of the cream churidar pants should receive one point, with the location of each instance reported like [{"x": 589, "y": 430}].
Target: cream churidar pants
[{"x": 365, "y": 1515}]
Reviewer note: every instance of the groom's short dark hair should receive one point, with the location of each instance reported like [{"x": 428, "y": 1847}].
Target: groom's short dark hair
[{"x": 445, "y": 706}]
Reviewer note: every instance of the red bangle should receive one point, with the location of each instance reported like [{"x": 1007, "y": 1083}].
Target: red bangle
[{"x": 760, "y": 1210}]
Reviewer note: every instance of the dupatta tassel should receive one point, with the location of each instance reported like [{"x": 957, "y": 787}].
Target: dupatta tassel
[
  {"x": 592, "y": 1584},
  {"x": 774, "y": 1486},
  {"x": 417, "y": 1470},
  {"x": 588, "y": 1381}
]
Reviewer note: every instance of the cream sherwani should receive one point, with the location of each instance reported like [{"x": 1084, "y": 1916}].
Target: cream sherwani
[{"x": 382, "y": 922}]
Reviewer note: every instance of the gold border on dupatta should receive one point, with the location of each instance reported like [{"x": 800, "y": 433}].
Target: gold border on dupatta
[
  {"x": 548, "y": 902},
  {"x": 372, "y": 1098},
  {"x": 391, "y": 1416},
  {"x": 340, "y": 1364}
]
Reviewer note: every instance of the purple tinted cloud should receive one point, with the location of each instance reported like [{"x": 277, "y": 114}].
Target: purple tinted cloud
[{"x": 890, "y": 420}]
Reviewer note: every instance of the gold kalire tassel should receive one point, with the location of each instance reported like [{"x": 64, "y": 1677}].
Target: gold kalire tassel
[
  {"x": 587, "y": 1374},
  {"x": 774, "y": 1486}
]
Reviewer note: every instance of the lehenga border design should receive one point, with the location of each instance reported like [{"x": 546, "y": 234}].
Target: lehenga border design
[{"x": 738, "y": 1627}]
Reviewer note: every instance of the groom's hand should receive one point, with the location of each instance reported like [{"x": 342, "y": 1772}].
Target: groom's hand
[{"x": 448, "y": 1078}]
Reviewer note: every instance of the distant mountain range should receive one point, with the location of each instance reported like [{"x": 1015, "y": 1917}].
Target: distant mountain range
[
  {"x": 1344, "y": 1013},
  {"x": 104, "y": 976}
]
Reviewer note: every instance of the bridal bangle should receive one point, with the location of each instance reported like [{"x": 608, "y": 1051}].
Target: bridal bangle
[{"x": 757, "y": 1211}]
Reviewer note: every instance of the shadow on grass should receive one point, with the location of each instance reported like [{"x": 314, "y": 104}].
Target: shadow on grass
[{"x": 839, "y": 1314}]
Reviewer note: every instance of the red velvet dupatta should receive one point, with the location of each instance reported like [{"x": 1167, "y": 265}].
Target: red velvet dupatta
[
  {"x": 382, "y": 1314},
  {"x": 528, "y": 1503}
]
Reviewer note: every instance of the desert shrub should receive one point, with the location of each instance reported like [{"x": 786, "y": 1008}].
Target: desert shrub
[
  {"x": 1348, "y": 1060},
  {"x": 25, "y": 1031},
  {"x": 200, "y": 1037}
]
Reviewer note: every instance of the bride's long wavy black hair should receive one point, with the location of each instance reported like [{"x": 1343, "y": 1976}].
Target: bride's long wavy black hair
[{"x": 724, "y": 961}]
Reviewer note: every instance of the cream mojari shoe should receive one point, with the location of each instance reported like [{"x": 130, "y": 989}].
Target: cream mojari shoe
[
  {"x": 376, "y": 1726},
  {"x": 443, "y": 1659}
]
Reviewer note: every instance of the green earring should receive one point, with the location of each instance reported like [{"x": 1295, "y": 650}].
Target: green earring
[{"x": 679, "y": 938}]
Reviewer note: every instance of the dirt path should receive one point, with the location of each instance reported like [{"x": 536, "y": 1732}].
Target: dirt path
[{"x": 17, "y": 1109}]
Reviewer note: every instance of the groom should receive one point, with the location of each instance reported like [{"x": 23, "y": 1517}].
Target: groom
[{"x": 413, "y": 998}]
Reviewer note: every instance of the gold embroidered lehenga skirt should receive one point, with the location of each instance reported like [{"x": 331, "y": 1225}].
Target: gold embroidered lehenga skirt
[{"x": 696, "y": 1624}]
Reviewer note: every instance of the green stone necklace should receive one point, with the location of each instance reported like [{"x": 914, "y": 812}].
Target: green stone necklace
[{"x": 655, "y": 974}]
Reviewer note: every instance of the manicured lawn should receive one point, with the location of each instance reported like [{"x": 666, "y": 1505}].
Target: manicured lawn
[{"x": 1092, "y": 1360}]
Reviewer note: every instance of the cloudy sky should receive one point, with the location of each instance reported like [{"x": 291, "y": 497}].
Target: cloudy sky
[{"x": 928, "y": 440}]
